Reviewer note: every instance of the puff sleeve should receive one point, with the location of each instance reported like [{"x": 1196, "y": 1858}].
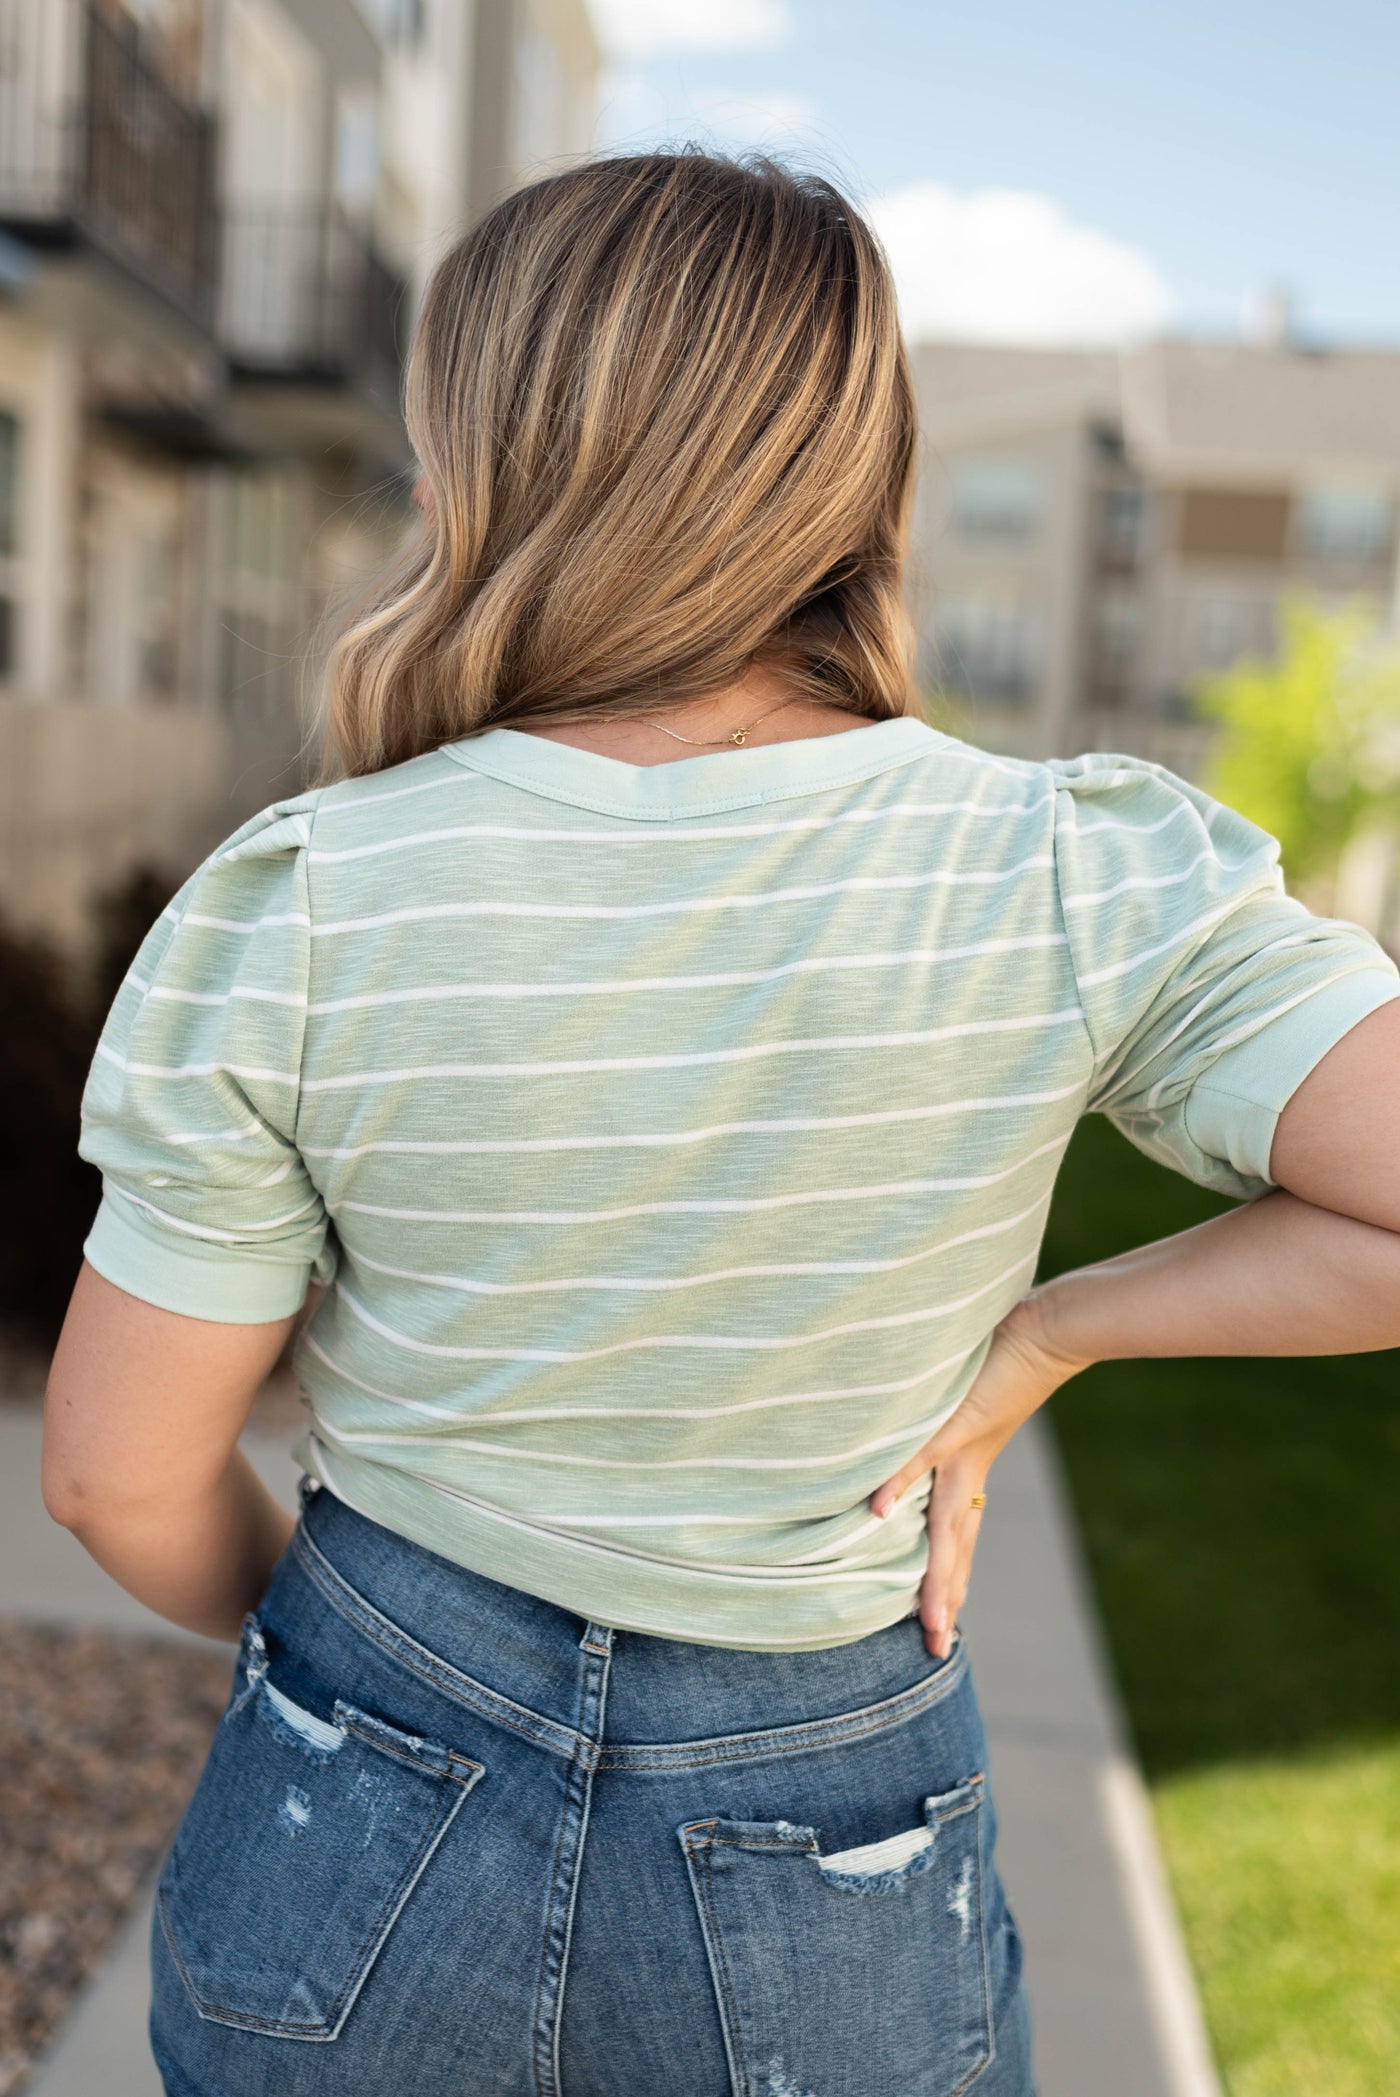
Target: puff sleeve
[
  {"x": 190, "y": 1106},
  {"x": 1208, "y": 992}
]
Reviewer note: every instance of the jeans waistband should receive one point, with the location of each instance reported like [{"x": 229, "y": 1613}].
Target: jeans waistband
[{"x": 524, "y": 1662}]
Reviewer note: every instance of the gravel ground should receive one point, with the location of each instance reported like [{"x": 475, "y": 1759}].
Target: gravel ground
[
  {"x": 101, "y": 1741},
  {"x": 102, "y": 1738}
]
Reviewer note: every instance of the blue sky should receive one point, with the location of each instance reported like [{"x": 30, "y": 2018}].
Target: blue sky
[{"x": 1157, "y": 164}]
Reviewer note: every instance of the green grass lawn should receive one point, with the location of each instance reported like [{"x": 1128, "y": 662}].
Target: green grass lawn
[{"x": 1241, "y": 1524}]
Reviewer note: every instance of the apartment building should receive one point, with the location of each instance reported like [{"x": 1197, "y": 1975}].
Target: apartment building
[
  {"x": 1096, "y": 531},
  {"x": 216, "y": 217}
]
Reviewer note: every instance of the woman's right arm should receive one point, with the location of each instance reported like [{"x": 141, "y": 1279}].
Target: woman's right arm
[
  {"x": 1312, "y": 1268},
  {"x": 1337, "y": 1141}
]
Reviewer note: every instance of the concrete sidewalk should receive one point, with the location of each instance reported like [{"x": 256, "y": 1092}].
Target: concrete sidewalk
[{"x": 1115, "y": 2007}]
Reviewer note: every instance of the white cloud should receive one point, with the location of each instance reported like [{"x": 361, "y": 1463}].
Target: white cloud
[
  {"x": 1005, "y": 265},
  {"x": 636, "y": 29}
]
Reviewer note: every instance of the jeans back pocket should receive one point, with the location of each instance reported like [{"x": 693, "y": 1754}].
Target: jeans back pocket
[
  {"x": 862, "y": 1970},
  {"x": 303, "y": 1840}
]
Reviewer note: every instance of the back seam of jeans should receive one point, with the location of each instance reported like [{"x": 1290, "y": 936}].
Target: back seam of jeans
[
  {"x": 806, "y": 1735},
  {"x": 578, "y": 1800},
  {"x": 798, "y": 1739},
  {"x": 382, "y": 1631}
]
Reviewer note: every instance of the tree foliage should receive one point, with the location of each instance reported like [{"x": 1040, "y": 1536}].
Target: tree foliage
[{"x": 1309, "y": 744}]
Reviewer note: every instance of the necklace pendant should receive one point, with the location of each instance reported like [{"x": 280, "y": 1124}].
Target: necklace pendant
[{"x": 739, "y": 735}]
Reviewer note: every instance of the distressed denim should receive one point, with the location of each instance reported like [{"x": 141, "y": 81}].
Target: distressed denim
[{"x": 452, "y": 1840}]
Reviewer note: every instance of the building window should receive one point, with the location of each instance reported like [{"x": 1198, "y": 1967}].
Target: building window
[
  {"x": 1114, "y": 641},
  {"x": 1122, "y": 527},
  {"x": 9, "y": 541},
  {"x": 263, "y": 606},
  {"x": 996, "y": 498},
  {"x": 399, "y": 22},
  {"x": 1349, "y": 526},
  {"x": 356, "y": 148},
  {"x": 987, "y": 647},
  {"x": 1233, "y": 524},
  {"x": 1225, "y": 628},
  {"x": 140, "y": 547}
]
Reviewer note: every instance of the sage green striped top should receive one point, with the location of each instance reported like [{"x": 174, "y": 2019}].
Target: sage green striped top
[{"x": 671, "y": 1138}]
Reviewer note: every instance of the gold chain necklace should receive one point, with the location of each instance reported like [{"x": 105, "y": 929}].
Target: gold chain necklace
[{"x": 737, "y": 736}]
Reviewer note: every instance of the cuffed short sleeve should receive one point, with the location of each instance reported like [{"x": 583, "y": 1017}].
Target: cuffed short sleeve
[
  {"x": 190, "y": 1107},
  {"x": 1208, "y": 992}
]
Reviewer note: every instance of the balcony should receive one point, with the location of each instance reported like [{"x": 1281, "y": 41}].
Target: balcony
[
  {"x": 307, "y": 301},
  {"x": 97, "y": 149}
]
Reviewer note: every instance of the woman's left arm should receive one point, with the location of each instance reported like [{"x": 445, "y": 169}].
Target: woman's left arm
[
  {"x": 208, "y": 1237},
  {"x": 1312, "y": 1268},
  {"x": 142, "y": 1416}
]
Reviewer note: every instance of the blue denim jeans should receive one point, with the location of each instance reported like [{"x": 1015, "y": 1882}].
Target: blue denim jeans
[{"x": 453, "y": 1840}]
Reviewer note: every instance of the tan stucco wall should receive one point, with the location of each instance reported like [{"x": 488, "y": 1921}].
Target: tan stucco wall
[{"x": 85, "y": 795}]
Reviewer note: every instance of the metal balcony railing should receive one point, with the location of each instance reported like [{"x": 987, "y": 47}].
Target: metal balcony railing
[
  {"x": 95, "y": 144},
  {"x": 306, "y": 298}
]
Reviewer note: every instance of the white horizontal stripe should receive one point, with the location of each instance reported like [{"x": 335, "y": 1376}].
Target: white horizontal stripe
[
  {"x": 677, "y": 1518},
  {"x": 195, "y": 1230},
  {"x": 714, "y": 1206},
  {"x": 1255, "y": 1024},
  {"x": 245, "y": 924},
  {"x": 1094, "y": 777},
  {"x": 240, "y": 992},
  {"x": 866, "y": 1525},
  {"x": 1165, "y": 946},
  {"x": 1243, "y": 973},
  {"x": 948, "y": 752},
  {"x": 248, "y": 1131},
  {"x": 1181, "y": 873},
  {"x": 344, "y": 802},
  {"x": 751, "y": 1343},
  {"x": 468, "y": 1286},
  {"x": 679, "y": 833},
  {"x": 495, "y": 1416},
  {"x": 576, "y": 1066},
  {"x": 795, "y": 1124},
  {"x": 248, "y": 847},
  {"x": 824, "y": 1564},
  {"x": 758, "y": 899},
  {"x": 196, "y": 1070},
  {"x": 1241, "y": 977},
  {"x": 727, "y": 979},
  {"x": 1257, "y": 1021},
  {"x": 759, "y": 1576},
  {"x": 1138, "y": 829},
  {"x": 912, "y": 1437}
]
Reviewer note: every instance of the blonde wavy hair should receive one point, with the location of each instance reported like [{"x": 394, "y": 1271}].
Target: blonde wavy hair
[{"x": 664, "y": 417}]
